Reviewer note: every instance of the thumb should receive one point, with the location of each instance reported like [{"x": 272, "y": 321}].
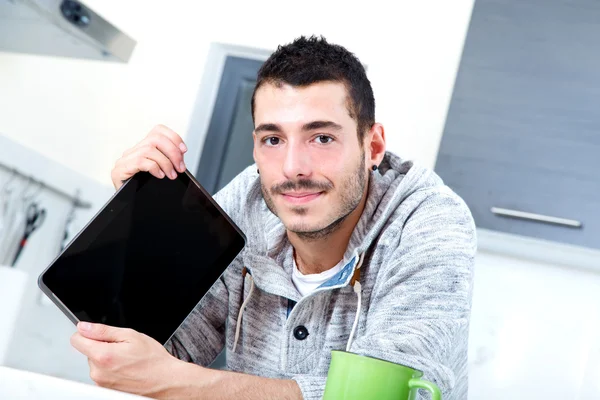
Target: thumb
[{"x": 100, "y": 332}]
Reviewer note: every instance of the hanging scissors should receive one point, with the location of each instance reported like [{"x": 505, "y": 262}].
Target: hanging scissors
[{"x": 35, "y": 218}]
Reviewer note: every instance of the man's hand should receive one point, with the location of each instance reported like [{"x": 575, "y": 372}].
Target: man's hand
[
  {"x": 129, "y": 361},
  {"x": 160, "y": 153},
  {"x": 126, "y": 360}
]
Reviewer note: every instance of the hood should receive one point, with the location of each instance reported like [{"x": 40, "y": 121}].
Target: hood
[
  {"x": 270, "y": 253},
  {"x": 395, "y": 181}
]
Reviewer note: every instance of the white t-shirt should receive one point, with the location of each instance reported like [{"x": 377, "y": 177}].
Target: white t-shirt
[{"x": 306, "y": 284}]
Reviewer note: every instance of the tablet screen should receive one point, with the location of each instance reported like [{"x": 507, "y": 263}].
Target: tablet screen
[{"x": 147, "y": 258}]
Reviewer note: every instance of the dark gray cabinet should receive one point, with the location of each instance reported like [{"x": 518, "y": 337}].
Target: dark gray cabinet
[
  {"x": 523, "y": 129},
  {"x": 228, "y": 146}
]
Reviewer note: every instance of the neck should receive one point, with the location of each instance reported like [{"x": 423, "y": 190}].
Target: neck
[{"x": 315, "y": 256}]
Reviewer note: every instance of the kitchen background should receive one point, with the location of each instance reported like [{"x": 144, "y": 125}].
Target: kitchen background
[{"x": 499, "y": 96}]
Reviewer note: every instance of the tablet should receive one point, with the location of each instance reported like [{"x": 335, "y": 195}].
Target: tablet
[{"x": 146, "y": 258}]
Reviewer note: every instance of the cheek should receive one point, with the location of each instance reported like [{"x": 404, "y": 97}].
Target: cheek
[
  {"x": 266, "y": 158},
  {"x": 337, "y": 169},
  {"x": 267, "y": 179}
]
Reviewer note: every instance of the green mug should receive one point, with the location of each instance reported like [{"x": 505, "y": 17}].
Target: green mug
[{"x": 355, "y": 377}]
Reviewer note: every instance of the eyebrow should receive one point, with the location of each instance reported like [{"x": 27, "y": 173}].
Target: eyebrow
[
  {"x": 310, "y": 126},
  {"x": 267, "y": 128}
]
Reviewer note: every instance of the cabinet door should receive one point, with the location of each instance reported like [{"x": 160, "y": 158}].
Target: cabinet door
[
  {"x": 523, "y": 129},
  {"x": 227, "y": 149}
]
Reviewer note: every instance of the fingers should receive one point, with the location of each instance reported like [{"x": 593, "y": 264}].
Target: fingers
[
  {"x": 169, "y": 149},
  {"x": 85, "y": 346},
  {"x": 174, "y": 137},
  {"x": 160, "y": 166},
  {"x": 125, "y": 168},
  {"x": 100, "y": 376},
  {"x": 100, "y": 355},
  {"x": 104, "y": 333},
  {"x": 160, "y": 153}
]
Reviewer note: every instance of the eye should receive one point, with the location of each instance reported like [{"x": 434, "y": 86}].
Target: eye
[
  {"x": 271, "y": 141},
  {"x": 324, "y": 139}
]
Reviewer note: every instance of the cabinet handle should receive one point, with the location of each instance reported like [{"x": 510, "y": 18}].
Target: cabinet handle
[{"x": 504, "y": 212}]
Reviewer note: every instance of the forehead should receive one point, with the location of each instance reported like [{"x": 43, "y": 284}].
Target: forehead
[{"x": 287, "y": 104}]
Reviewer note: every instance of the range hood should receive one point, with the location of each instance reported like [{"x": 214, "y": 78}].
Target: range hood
[{"x": 63, "y": 28}]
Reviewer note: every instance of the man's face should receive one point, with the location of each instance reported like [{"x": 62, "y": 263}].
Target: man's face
[{"x": 312, "y": 167}]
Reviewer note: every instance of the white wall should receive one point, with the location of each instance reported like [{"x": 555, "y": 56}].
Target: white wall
[
  {"x": 84, "y": 114},
  {"x": 540, "y": 317}
]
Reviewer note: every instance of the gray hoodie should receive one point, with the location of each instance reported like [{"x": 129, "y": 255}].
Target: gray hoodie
[{"x": 415, "y": 246}]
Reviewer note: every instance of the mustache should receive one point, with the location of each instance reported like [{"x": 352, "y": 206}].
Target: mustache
[{"x": 301, "y": 184}]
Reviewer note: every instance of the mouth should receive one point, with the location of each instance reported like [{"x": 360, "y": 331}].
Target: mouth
[{"x": 300, "y": 198}]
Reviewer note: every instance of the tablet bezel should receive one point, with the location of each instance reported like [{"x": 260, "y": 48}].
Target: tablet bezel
[{"x": 64, "y": 309}]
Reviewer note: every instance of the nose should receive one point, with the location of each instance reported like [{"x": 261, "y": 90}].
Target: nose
[{"x": 297, "y": 163}]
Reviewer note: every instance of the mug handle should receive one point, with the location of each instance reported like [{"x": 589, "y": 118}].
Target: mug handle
[{"x": 429, "y": 386}]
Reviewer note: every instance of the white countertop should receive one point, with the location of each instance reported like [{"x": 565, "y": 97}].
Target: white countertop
[
  {"x": 12, "y": 287},
  {"x": 16, "y": 385}
]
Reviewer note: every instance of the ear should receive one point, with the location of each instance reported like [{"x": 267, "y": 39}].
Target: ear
[{"x": 375, "y": 145}]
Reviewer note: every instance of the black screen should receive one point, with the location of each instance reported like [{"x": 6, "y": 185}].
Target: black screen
[{"x": 147, "y": 258}]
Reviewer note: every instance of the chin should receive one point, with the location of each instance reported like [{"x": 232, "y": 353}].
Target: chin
[{"x": 302, "y": 224}]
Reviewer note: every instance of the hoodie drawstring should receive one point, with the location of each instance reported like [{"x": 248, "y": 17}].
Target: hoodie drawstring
[
  {"x": 239, "y": 318},
  {"x": 355, "y": 282}
]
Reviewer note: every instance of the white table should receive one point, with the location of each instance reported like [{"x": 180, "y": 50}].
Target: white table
[{"x": 16, "y": 385}]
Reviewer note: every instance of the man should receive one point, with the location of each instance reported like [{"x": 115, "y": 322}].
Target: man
[{"x": 331, "y": 218}]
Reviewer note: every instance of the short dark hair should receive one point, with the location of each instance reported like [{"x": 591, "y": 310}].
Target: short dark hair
[{"x": 310, "y": 60}]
